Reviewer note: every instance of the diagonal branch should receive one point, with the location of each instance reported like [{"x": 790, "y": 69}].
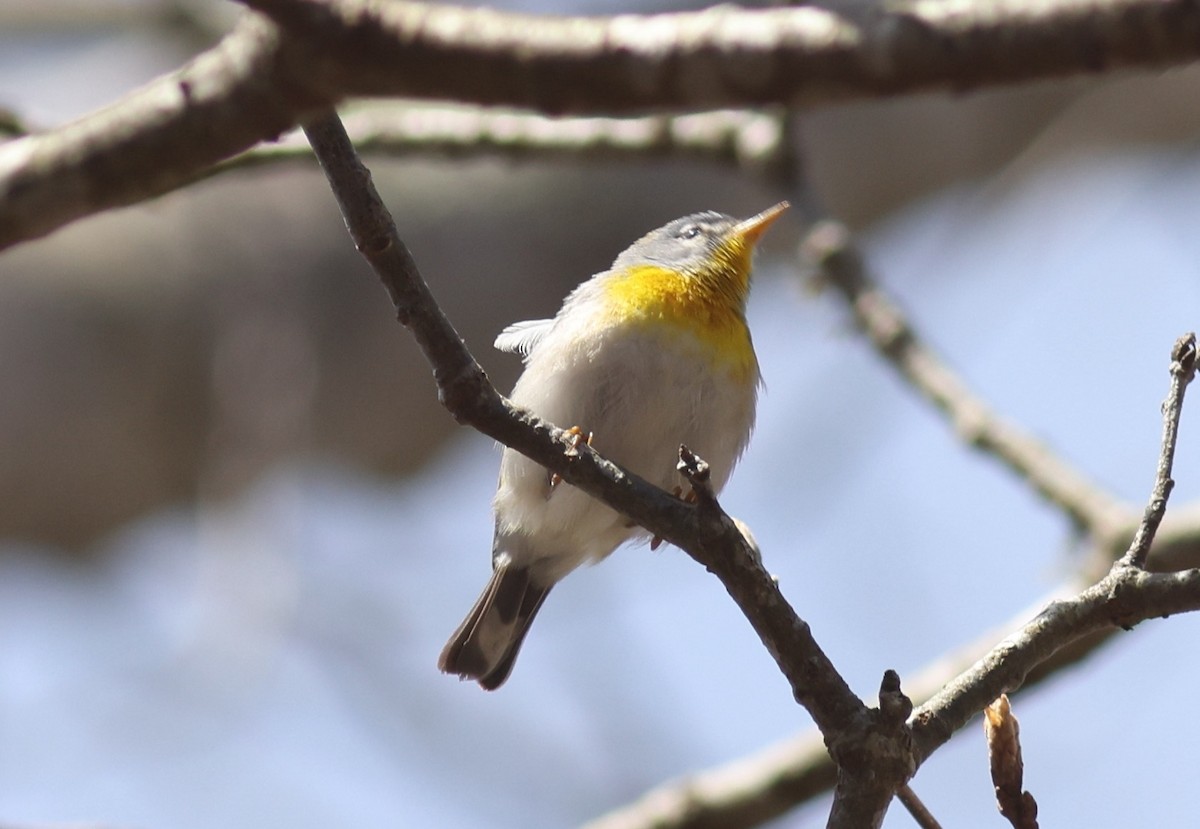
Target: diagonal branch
[
  {"x": 1089, "y": 506},
  {"x": 917, "y": 809},
  {"x": 1123, "y": 598},
  {"x": 238, "y": 93},
  {"x": 744, "y": 793}
]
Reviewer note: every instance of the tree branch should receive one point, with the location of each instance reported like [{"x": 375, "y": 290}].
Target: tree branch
[
  {"x": 919, "y": 811},
  {"x": 1123, "y": 598},
  {"x": 726, "y": 56},
  {"x": 1183, "y": 371},
  {"x": 744, "y": 793},
  {"x": 1091, "y": 508},
  {"x": 155, "y": 140},
  {"x": 875, "y": 762},
  {"x": 1126, "y": 596},
  {"x": 735, "y": 138}
]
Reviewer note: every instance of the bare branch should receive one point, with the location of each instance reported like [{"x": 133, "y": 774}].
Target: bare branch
[
  {"x": 1183, "y": 370},
  {"x": 702, "y": 530},
  {"x": 875, "y": 762},
  {"x": 747, "y": 792},
  {"x": 920, "y": 813},
  {"x": 1123, "y": 598},
  {"x": 830, "y": 246},
  {"x": 737, "y": 138},
  {"x": 227, "y": 99},
  {"x": 726, "y": 56}
]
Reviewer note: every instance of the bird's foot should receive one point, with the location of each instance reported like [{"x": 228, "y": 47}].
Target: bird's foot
[{"x": 575, "y": 439}]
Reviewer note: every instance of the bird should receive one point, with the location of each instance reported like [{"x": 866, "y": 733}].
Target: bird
[{"x": 648, "y": 355}]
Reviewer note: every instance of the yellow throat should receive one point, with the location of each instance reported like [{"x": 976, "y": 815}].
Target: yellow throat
[
  {"x": 710, "y": 304},
  {"x": 704, "y": 298}
]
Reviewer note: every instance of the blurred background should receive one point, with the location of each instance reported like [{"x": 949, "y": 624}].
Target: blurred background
[{"x": 236, "y": 527}]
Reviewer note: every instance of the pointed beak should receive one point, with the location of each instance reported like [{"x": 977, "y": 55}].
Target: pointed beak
[{"x": 754, "y": 227}]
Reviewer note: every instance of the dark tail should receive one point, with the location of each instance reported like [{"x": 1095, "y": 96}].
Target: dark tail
[{"x": 485, "y": 645}]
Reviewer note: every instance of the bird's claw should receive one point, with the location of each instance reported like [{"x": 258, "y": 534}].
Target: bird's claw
[{"x": 575, "y": 439}]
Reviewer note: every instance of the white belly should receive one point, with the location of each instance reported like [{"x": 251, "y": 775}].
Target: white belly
[{"x": 640, "y": 397}]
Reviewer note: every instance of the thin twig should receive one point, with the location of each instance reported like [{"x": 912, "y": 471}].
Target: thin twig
[
  {"x": 1183, "y": 370},
  {"x": 735, "y": 138},
  {"x": 1126, "y": 596},
  {"x": 920, "y": 813},
  {"x": 831, "y": 247}
]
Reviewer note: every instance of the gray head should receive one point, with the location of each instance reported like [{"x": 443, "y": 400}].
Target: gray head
[
  {"x": 685, "y": 244},
  {"x": 700, "y": 242}
]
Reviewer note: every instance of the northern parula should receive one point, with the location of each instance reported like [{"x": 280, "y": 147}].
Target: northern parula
[{"x": 652, "y": 353}]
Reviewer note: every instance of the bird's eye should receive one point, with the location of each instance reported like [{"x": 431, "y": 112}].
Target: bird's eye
[{"x": 689, "y": 232}]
